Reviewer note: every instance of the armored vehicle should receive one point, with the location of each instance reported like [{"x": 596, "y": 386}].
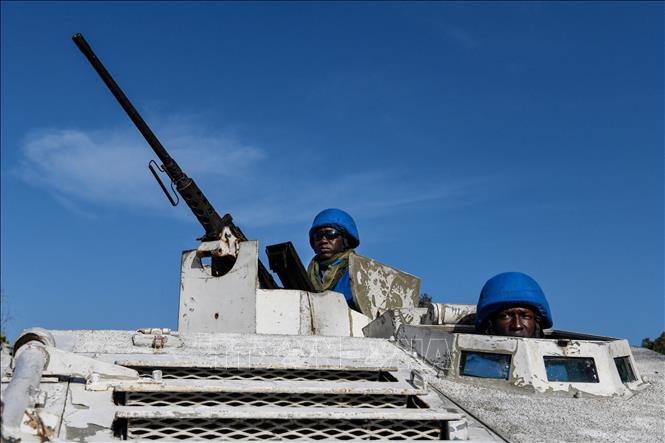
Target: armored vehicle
[{"x": 253, "y": 361}]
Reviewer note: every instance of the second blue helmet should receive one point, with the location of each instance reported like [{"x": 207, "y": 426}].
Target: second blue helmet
[
  {"x": 338, "y": 219},
  {"x": 509, "y": 289}
]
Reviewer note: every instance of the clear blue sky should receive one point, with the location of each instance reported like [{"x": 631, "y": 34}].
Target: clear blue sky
[{"x": 466, "y": 139}]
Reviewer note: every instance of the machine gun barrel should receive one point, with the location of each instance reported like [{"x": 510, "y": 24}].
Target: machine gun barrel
[{"x": 186, "y": 187}]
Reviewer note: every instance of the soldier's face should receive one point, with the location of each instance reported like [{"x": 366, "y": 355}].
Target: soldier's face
[
  {"x": 517, "y": 321},
  {"x": 328, "y": 242}
]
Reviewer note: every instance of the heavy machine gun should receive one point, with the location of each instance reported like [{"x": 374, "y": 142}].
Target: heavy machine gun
[{"x": 213, "y": 224}]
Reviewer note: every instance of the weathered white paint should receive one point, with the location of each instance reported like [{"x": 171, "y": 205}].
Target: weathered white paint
[
  {"x": 39, "y": 424},
  {"x": 443, "y": 348},
  {"x": 301, "y": 313},
  {"x": 378, "y": 287},
  {"x": 219, "y": 304},
  {"x": 279, "y": 312},
  {"x": 88, "y": 415},
  {"x": 234, "y": 303},
  {"x": 73, "y": 365},
  {"x": 388, "y": 322},
  {"x": 399, "y": 387},
  {"x": 227, "y": 245},
  {"x": 20, "y": 394},
  {"x": 296, "y": 330},
  {"x": 447, "y": 313},
  {"x": 284, "y": 413},
  {"x": 331, "y": 314}
]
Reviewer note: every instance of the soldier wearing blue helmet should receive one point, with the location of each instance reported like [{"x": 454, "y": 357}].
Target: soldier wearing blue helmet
[
  {"x": 512, "y": 304},
  {"x": 333, "y": 236}
]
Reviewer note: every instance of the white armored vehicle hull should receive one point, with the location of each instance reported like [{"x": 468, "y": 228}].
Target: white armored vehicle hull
[
  {"x": 300, "y": 367},
  {"x": 250, "y": 362}
]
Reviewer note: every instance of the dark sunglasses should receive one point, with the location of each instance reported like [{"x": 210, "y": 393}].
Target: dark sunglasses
[{"x": 328, "y": 235}]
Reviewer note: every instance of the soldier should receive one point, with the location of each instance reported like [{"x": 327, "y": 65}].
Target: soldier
[
  {"x": 333, "y": 236},
  {"x": 512, "y": 304}
]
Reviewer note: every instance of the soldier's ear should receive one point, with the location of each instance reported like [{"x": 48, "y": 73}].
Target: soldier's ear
[{"x": 346, "y": 242}]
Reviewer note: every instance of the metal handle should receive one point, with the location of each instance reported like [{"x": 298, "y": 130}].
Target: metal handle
[{"x": 161, "y": 184}]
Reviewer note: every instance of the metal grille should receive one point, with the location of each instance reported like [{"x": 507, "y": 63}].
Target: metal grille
[
  {"x": 266, "y": 374},
  {"x": 164, "y": 398},
  {"x": 265, "y": 429}
]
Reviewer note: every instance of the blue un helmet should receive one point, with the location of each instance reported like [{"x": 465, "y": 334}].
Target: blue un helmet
[
  {"x": 510, "y": 289},
  {"x": 338, "y": 219}
]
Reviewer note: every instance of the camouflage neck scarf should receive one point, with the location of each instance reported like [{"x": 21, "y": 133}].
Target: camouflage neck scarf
[{"x": 332, "y": 269}]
